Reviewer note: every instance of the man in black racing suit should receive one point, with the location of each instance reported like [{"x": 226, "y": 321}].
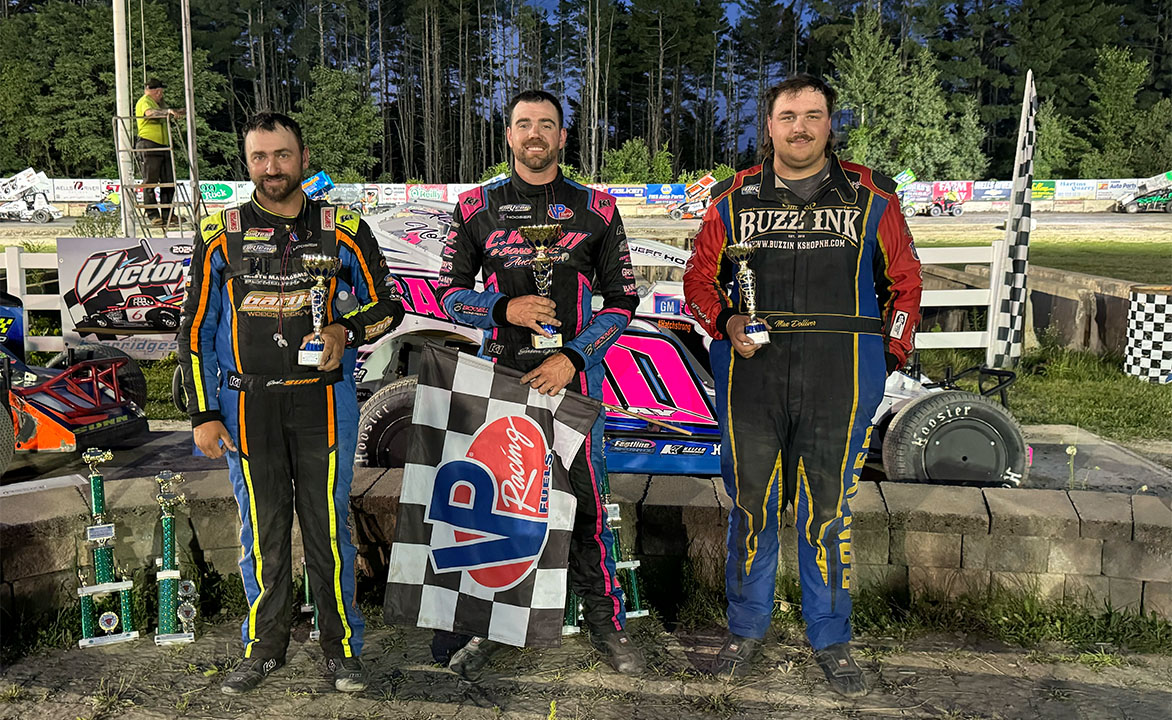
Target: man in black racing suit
[
  {"x": 484, "y": 241},
  {"x": 289, "y": 430}
]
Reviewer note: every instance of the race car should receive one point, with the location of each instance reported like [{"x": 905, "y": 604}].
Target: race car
[
  {"x": 22, "y": 198},
  {"x": 91, "y": 396},
  {"x": 140, "y": 313},
  {"x": 1151, "y": 195}
]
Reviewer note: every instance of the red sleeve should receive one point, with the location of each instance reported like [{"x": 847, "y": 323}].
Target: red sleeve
[
  {"x": 702, "y": 288},
  {"x": 897, "y": 282}
]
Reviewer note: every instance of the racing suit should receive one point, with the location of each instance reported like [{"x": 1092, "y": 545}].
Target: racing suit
[
  {"x": 838, "y": 285},
  {"x": 484, "y": 241},
  {"x": 295, "y": 428}
]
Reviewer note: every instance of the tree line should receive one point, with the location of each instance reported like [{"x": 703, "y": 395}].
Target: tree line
[{"x": 655, "y": 90}]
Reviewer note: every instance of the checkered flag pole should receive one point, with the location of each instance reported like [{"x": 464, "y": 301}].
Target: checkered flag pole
[
  {"x": 486, "y": 511},
  {"x": 1007, "y": 304}
]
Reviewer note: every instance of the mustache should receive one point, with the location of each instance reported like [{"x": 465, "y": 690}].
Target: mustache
[{"x": 800, "y": 136}]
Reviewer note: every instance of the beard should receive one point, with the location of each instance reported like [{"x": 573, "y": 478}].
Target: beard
[
  {"x": 276, "y": 188},
  {"x": 536, "y": 161}
]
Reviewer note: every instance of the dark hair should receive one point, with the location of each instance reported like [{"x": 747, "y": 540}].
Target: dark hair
[
  {"x": 532, "y": 96},
  {"x": 154, "y": 83},
  {"x": 270, "y": 121},
  {"x": 793, "y": 86}
]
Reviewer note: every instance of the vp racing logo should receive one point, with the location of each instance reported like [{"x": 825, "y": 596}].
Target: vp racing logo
[{"x": 489, "y": 510}]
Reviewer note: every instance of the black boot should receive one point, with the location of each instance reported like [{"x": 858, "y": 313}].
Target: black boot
[
  {"x": 736, "y": 656},
  {"x": 248, "y": 674},
  {"x": 622, "y": 654},
  {"x": 843, "y": 674},
  {"x": 468, "y": 662}
]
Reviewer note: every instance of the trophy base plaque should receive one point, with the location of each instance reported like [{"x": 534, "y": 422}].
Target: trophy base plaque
[
  {"x": 757, "y": 332},
  {"x": 108, "y": 639},
  {"x": 175, "y": 638},
  {"x": 311, "y": 354}
]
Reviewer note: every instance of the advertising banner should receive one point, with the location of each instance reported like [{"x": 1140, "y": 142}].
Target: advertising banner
[
  {"x": 665, "y": 193},
  {"x": 1043, "y": 190},
  {"x": 624, "y": 192},
  {"x": 991, "y": 190},
  {"x": 87, "y": 191},
  {"x": 392, "y": 193},
  {"x": 961, "y": 190},
  {"x": 218, "y": 192},
  {"x": 427, "y": 192},
  {"x": 1120, "y": 187},
  {"x": 124, "y": 292},
  {"x": 1075, "y": 189},
  {"x": 918, "y": 192}
]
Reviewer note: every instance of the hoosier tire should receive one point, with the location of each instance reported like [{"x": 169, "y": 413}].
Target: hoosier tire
[
  {"x": 130, "y": 378},
  {"x": 384, "y": 424},
  {"x": 955, "y": 437}
]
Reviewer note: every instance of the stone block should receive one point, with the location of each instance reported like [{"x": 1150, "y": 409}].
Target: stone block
[
  {"x": 1089, "y": 591},
  {"x": 1137, "y": 560},
  {"x": 868, "y": 511},
  {"x": 925, "y": 549},
  {"x": 225, "y": 561},
  {"x": 28, "y": 552},
  {"x": 947, "y": 582},
  {"x": 1151, "y": 521},
  {"x": 878, "y": 577},
  {"x": 1158, "y": 599},
  {"x": 37, "y": 595},
  {"x": 1125, "y": 594},
  {"x": 870, "y": 547},
  {"x": 1037, "y": 513},
  {"x": 215, "y": 526},
  {"x": 1082, "y": 556},
  {"x": 1102, "y": 515},
  {"x": 1006, "y": 553},
  {"x": 1047, "y": 586},
  {"x": 935, "y": 508}
]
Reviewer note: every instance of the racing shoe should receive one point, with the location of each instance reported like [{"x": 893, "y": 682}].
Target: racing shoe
[
  {"x": 622, "y": 654},
  {"x": 843, "y": 674},
  {"x": 349, "y": 675},
  {"x": 468, "y": 662},
  {"x": 248, "y": 674},
  {"x": 736, "y": 657}
]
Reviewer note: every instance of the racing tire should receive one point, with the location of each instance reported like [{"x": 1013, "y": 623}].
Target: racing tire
[
  {"x": 957, "y": 210},
  {"x": 1168, "y": 207},
  {"x": 1131, "y": 208},
  {"x": 383, "y": 427},
  {"x": 935, "y": 211},
  {"x": 955, "y": 437},
  {"x": 909, "y": 212},
  {"x": 7, "y": 439},
  {"x": 676, "y": 214},
  {"x": 130, "y": 377},
  {"x": 178, "y": 392},
  {"x": 165, "y": 319},
  {"x": 42, "y": 217}
]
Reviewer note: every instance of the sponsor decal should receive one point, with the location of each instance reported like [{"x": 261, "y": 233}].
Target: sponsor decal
[
  {"x": 490, "y": 509},
  {"x": 673, "y": 325},
  {"x": 840, "y": 222},
  {"x": 263, "y": 303},
  {"x": 924, "y": 432},
  {"x": 217, "y": 192},
  {"x": 898, "y": 323},
  {"x": 496, "y": 348},
  {"x": 290, "y": 382},
  {"x": 560, "y": 212},
  {"x": 516, "y": 208},
  {"x": 259, "y": 248},
  {"x": 632, "y": 445},
  {"x": 235, "y": 382},
  {"x": 754, "y": 189},
  {"x": 676, "y": 449},
  {"x": 373, "y": 331},
  {"x": 114, "y": 271}
]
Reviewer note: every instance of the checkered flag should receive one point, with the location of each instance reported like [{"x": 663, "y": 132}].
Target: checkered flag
[
  {"x": 486, "y": 512},
  {"x": 1007, "y": 323},
  {"x": 1149, "y": 334}
]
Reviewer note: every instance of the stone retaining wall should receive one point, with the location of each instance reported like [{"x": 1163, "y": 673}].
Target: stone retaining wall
[{"x": 1082, "y": 546}]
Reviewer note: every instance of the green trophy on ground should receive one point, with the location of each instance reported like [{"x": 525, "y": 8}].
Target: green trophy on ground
[
  {"x": 171, "y": 587},
  {"x": 308, "y": 606},
  {"x": 101, "y": 535}
]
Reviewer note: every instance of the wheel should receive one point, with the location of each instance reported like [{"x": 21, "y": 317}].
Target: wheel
[
  {"x": 676, "y": 214},
  {"x": 957, "y": 210},
  {"x": 384, "y": 424},
  {"x": 163, "y": 319},
  {"x": 935, "y": 211},
  {"x": 100, "y": 321},
  {"x": 1131, "y": 208},
  {"x": 909, "y": 211},
  {"x": 7, "y": 439},
  {"x": 1168, "y": 207},
  {"x": 955, "y": 436},
  {"x": 42, "y": 216},
  {"x": 130, "y": 377},
  {"x": 178, "y": 392}
]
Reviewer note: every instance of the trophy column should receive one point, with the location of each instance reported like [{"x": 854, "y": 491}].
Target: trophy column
[
  {"x": 102, "y": 534},
  {"x": 172, "y": 588}
]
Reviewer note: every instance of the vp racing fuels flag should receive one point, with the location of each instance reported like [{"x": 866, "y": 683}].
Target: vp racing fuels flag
[{"x": 486, "y": 512}]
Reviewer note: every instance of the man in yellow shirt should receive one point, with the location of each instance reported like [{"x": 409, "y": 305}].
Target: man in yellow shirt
[{"x": 152, "y": 115}]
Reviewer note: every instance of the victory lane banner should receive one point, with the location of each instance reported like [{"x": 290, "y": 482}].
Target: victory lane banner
[{"x": 486, "y": 512}]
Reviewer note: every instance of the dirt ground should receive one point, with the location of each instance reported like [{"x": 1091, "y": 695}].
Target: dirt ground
[{"x": 933, "y": 677}]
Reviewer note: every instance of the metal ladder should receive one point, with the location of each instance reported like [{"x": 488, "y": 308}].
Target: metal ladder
[{"x": 182, "y": 204}]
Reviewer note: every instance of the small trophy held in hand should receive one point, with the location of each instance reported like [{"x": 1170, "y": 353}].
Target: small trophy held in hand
[
  {"x": 321, "y": 268},
  {"x": 543, "y": 239},
  {"x": 740, "y": 253}
]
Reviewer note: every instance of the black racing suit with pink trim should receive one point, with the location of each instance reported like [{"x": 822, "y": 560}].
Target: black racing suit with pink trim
[{"x": 484, "y": 243}]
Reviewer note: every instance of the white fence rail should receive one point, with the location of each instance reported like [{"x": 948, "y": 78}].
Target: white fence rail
[
  {"x": 16, "y": 263},
  {"x": 972, "y": 297}
]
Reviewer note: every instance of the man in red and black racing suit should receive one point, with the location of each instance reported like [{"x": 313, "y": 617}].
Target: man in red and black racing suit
[
  {"x": 289, "y": 430},
  {"x": 484, "y": 242},
  {"x": 838, "y": 285}
]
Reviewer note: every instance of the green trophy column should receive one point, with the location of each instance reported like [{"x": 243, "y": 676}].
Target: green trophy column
[
  {"x": 127, "y": 610},
  {"x": 168, "y": 587},
  {"x": 87, "y": 616}
]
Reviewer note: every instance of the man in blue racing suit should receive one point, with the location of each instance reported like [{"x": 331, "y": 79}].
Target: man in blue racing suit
[{"x": 593, "y": 259}]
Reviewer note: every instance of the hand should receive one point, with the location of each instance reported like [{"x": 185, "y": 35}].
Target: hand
[
  {"x": 209, "y": 436},
  {"x": 532, "y": 311},
  {"x": 334, "y": 337},
  {"x": 551, "y": 376},
  {"x": 735, "y": 329}
]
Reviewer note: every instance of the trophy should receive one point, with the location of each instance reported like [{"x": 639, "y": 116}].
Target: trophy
[
  {"x": 171, "y": 587},
  {"x": 740, "y": 253},
  {"x": 308, "y": 606},
  {"x": 321, "y": 268},
  {"x": 101, "y": 534},
  {"x": 541, "y": 238}
]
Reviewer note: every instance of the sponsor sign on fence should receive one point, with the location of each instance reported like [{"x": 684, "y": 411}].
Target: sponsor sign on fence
[
  {"x": 665, "y": 193},
  {"x": 1075, "y": 189},
  {"x": 1043, "y": 190},
  {"x": 990, "y": 190}
]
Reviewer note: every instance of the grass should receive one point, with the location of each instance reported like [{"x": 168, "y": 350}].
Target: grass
[
  {"x": 158, "y": 376},
  {"x": 1141, "y": 262},
  {"x": 1060, "y": 386}
]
